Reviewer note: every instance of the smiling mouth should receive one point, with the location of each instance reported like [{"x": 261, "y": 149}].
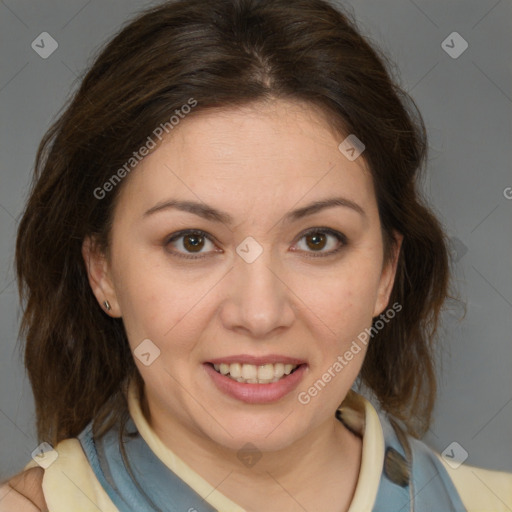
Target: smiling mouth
[{"x": 255, "y": 374}]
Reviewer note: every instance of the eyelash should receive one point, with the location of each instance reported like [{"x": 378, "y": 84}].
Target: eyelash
[{"x": 328, "y": 231}]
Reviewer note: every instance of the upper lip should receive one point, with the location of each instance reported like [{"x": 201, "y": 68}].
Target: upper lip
[{"x": 256, "y": 360}]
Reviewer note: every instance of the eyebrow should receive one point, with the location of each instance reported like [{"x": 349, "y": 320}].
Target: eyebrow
[{"x": 210, "y": 213}]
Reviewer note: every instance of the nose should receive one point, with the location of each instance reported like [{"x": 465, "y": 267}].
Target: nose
[{"x": 259, "y": 302}]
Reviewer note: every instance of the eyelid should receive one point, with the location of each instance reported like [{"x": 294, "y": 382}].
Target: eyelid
[
  {"x": 323, "y": 229},
  {"x": 189, "y": 231}
]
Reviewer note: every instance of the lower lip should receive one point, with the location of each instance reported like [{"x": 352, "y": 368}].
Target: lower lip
[{"x": 256, "y": 393}]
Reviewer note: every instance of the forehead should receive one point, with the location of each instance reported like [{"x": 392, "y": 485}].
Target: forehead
[{"x": 270, "y": 154}]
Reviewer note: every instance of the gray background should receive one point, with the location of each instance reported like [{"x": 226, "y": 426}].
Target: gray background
[{"x": 467, "y": 105}]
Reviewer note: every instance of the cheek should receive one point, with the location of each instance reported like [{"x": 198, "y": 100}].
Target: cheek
[
  {"x": 343, "y": 299},
  {"x": 159, "y": 303},
  {"x": 144, "y": 297}
]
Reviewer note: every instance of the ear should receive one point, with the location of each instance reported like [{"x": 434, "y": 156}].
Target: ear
[
  {"x": 99, "y": 274},
  {"x": 387, "y": 277}
]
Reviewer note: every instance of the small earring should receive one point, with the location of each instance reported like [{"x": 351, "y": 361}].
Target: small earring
[{"x": 106, "y": 303}]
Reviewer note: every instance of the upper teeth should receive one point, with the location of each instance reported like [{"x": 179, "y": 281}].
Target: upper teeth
[{"x": 253, "y": 374}]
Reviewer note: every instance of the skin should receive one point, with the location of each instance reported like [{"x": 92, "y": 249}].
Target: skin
[{"x": 256, "y": 163}]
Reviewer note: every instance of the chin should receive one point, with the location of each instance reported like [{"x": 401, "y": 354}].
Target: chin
[{"x": 268, "y": 432}]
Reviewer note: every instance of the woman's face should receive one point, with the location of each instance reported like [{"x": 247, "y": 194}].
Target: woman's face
[{"x": 273, "y": 276}]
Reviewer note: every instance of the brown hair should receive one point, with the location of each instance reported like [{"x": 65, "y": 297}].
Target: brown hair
[{"x": 222, "y": 53}]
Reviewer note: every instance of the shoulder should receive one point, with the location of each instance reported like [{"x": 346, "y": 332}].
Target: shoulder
[
  {"x": 24, "y": 492},
  {"x": 70, "y": 483},
  {"x": 481, "y": 489},
  {"x": 476, "y": 489}
]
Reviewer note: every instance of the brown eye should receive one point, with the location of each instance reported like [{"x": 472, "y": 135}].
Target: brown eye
[
  {"x": 193, "y": 243},
  {"x": 318, "y": 239},
  {"x": 190, "y": 242}
]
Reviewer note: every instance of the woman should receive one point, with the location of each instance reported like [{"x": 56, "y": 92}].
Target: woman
[{"x": 223, "y": 236}]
